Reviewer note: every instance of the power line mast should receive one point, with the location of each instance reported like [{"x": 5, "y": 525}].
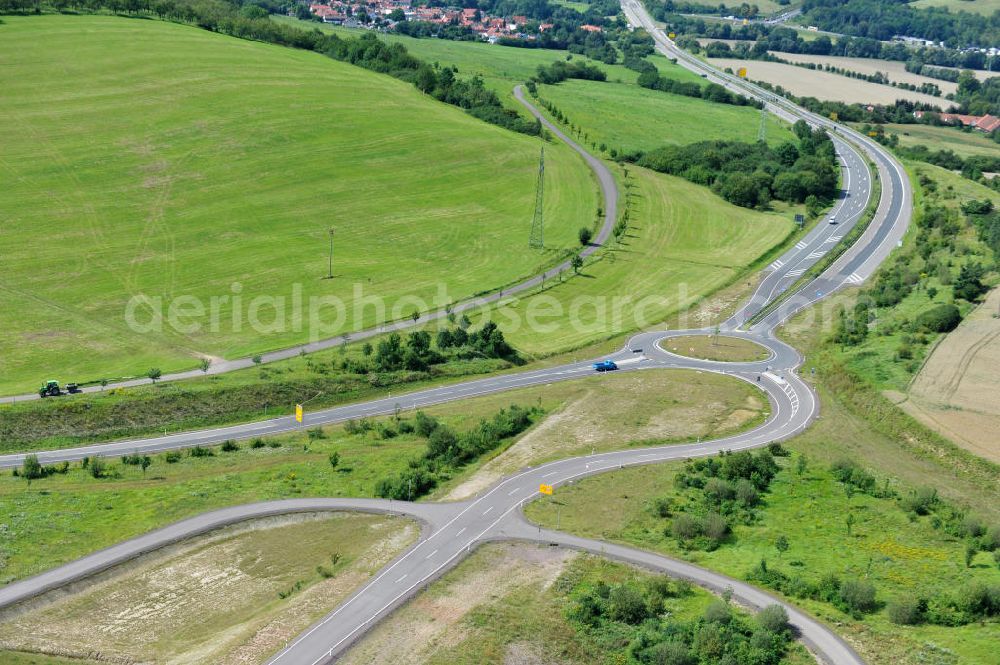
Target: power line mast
[
  {"x": 762, "y": 128},
  {"x": 537, "y": 238}
]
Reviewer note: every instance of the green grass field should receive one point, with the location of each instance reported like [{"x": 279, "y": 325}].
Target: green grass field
[
  {"x": 683, "y": 243},
  {"x": 199, "y": 161},
  {"x": 965, "y": 144},
  {"x": 985, "y": 7},
  {"x": 630, "y": 118}
]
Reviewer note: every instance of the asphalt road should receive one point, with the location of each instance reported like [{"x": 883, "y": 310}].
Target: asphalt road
[{"x": 451, "y": 531}]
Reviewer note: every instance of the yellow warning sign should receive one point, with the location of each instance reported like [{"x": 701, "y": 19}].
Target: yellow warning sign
[
  {"x": 298, "y": 413},
  {"x": 545, "y": 489},
  {"x": 671, "y": 35},
  {"x": 742, "y": 72}
]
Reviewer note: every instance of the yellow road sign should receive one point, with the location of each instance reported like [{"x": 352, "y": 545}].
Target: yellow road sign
[
  {"x": 671, "y": 35},
  {"x": 298, "y": 413},
  {"x": 545, "y": 489},
  {"x": 742, "y": 72}
]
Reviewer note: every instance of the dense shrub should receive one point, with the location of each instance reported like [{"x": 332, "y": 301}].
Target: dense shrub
[
  {"x": 906, "y": 610},
  {"x": 560, "y": 70},
  {"x": 938, "y": 319}
]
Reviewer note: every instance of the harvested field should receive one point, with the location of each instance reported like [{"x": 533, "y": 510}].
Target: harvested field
[
  {"x": 215, "y": 599},
  {"x": 956, "y": 391},
  {"x": 894, "y": 69},
  {"x": 824, "y": 85}
]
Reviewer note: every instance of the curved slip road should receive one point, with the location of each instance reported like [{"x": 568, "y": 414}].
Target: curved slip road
[
  {"x": 609, "y": 193},
  {"x": 456, "y": 529}
]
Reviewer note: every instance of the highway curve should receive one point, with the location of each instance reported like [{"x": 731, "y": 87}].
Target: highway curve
[{"x": 453, "y": 530}]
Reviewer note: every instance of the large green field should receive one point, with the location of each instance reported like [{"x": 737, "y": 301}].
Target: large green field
[{"x": 144, "y": 157}]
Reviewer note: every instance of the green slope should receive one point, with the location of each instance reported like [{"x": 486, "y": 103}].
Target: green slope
[{"x": 147, "y": 157}]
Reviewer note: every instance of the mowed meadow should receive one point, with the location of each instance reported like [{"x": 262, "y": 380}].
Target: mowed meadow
[{"x": 143, "y": 157}]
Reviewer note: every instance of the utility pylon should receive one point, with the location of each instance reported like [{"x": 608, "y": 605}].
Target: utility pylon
[
  {"x": 537, "y": 238},
  {"x": 762, "y": 128}
]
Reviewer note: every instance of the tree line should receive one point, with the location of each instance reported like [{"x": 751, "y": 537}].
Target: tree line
[{"x": 883, "y": 19}]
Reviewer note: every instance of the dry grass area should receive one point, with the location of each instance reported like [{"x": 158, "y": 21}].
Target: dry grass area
[
  {"x": 620, "y": 410},
  {"x": 716, "y": 347},
  {"x": 956, "y": 391},
  {"x": 215, "y": 599},
  {"x": 823, "y": 85},
  {"x": 894, "y": 69},
  {"x": 435, "y": 621}
]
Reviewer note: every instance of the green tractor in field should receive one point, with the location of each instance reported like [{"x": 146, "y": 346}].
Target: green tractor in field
[{"x": 51, "y": 389}]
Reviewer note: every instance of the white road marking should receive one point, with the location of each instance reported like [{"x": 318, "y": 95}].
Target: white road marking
[
  {"x": 488, "y": 511},
  {"x": 431, "y": 554}
]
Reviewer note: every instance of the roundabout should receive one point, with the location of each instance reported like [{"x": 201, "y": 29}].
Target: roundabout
[{"x": 717, "y": 348}]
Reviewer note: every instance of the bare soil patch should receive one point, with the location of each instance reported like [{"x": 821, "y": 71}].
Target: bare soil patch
[
  {"x": 433, "y": 621},
  {"x": 216, "y": 599}
]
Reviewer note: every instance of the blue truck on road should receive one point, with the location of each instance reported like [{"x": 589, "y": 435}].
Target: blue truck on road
[{"x": 605, "y": 366}]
